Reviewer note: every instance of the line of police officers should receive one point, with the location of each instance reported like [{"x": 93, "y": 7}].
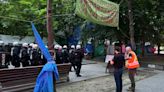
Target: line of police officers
[
  {"x": 73, "y": 56},
  {"x": 17, "y": 55}
]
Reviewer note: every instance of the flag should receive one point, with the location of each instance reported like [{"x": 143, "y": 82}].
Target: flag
[
  {"x": 102, "y": 12},
  {"x": 44, "y": 82}
]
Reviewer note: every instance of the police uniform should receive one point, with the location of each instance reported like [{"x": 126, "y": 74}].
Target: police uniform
[
  {"x": 78, "y": 61},
  {"x": 35, "y": 56},
  {"x": 59, "y": 56},
  {"x": 24, "y": 55},
  {"x": 72, "y": 58},
  {"x": 65, "y": 55},
  {"x": 15, "y": 51}
]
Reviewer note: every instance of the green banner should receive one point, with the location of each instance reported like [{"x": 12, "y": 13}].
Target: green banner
[{"x": 102, "y": 12}]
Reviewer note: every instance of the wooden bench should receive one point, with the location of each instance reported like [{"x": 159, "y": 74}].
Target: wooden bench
[{"x": 18, "y": 79}]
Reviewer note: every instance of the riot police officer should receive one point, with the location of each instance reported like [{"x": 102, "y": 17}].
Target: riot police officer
[
  {"x": 35, "y": 55},
  {"x": 78, "y": 59},
  {"x": 65, "y": 55},
  {"x": 2, "y": 55},
  {"x": 59, "y": 55},
  {"x": 24, "y": 55},
  {"x": 1, "y": 46},
  {"x": 72, "y": 57},
  {"x": 15, "y": 51}
]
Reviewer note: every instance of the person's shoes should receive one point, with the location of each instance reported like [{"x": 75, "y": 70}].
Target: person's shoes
[
  {"x": 130, "y": 89},
  {"x": 78, "y": 75}
]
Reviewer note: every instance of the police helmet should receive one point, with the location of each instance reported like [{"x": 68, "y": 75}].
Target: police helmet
[
  {"x": 15, "y": 43},
  {"x": 78, "y": 46},
  {"x": 72, "y": 46},
  {"x": 60, "y": 47},
  {"x": 56, "y": 46},
  {"x": 25, "y": 44},
  {"x": 35, "y": 46},
  {"x": 65, "y": 47},
  {"x": 1, "y": 42},
  {"x": 31, "y": 44}
]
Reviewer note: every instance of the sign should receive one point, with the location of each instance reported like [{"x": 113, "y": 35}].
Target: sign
[{"x": 109, "y": 58}]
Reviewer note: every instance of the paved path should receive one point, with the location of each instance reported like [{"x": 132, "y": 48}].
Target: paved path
[
  {"x": 151, "y": 84},
  {"x": 89, "y": 71}
]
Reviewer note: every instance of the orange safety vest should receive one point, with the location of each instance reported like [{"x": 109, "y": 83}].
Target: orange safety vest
[{"x": 132, "y": 62}]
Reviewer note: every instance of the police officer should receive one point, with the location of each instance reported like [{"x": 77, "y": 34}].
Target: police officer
[
  {"x": 72, "y": 57},
  {"x": 24, "y": 55},
  {"x": 2, "y": 61},
  {"x": 56, "y": 47},
  {"x": 78, "y": 59},
  {"x": 59, "y": 55},
  {"x": 30, "y": 51},
  {"x": 35, "y": 57},
  {"x": 65, "y": 55},
  {"x": 15, "y": 51},
  {"x": 1, "y": 46}
]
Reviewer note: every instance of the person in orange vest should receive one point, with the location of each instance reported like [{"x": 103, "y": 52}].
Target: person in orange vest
[{"x": 132, "y": 64}]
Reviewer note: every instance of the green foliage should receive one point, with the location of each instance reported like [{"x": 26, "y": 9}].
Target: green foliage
[{"x": 148, "y": 20}]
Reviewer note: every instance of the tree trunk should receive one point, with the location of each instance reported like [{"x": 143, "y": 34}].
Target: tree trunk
[
  {"x": 143, "y": 44},
  {"x": 50, "y": 32},
  {"x": 159, "y": 45},
  {"x": 131, "y": 27},
  {"x": 49, "y": 25}
]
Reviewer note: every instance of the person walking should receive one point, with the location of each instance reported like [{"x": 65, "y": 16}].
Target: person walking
[
  {"x": 78, "y": 60},
  {"x": 131, "y": 64},
  {"x": 72, "y": 57},
  {"x": 118, "y": 63}
]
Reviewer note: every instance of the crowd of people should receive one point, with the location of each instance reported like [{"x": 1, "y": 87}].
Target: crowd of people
[{"x": 23, "y": 55}]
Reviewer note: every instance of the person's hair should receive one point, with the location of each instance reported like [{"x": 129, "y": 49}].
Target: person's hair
[
  {"x": 128, "y": 48},
  {"x": 117, "y": 49}
]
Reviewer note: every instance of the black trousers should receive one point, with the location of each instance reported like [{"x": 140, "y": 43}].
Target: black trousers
[
  {"x": 132, "y": 73},
  {"x": 15, "y": 61},
  {"x": 78, "y": 65},
  {"x": 24, "y": 61},
  {"x": 73, "y": 65},
  {"x": 118, "y": 79}
]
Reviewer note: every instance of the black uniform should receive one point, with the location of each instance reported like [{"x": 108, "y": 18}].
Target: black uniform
[
  {"x": 25, "y": 57},
  {"x": 8, "y": 57},
  {"x": 65, "y": 56},
  {"x": 1, "y": 50},
  {"x": 78, "y": 61},
  {"x": 72, "y": 59},
  {"x": 59, "y": 57},
  {"x": 36, "y": 57},
  {"x": 15, "y": 57}
]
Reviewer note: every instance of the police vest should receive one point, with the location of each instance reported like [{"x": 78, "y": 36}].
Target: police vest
[{"x": 133, "y": 61}]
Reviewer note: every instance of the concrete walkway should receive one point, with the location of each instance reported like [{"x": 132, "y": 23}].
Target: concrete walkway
[
  {"x": 89, "y": 71},
  {"x": 151, "y": 84}
]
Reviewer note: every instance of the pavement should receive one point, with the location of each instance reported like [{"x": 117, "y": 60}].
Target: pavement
[
  {"x": 151, "y": 84},
  {"x": 95, "y": 70},
  {"x": 89, "y": 71}
]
